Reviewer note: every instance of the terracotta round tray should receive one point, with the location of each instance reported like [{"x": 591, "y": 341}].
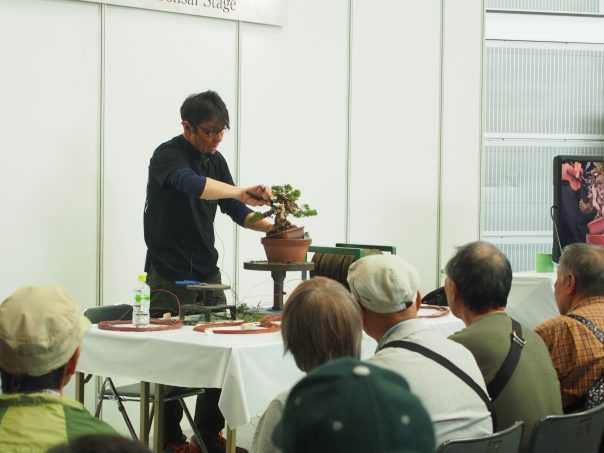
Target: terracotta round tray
[
  {"x": 154, "y": 324},
  {"x": 440, "y": 311},
  {"x": 267, "y": 325}
]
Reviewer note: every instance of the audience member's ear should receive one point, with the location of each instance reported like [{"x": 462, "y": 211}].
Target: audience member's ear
[
  {"x": 418, "y": 300},
  {"x": 571, "y": 284},
  {"x": 70, "y": 367},
  {"x": 451, "y": 292}
]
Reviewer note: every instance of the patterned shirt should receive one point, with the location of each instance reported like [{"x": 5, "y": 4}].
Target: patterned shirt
[{"x": 577, "y": 355}]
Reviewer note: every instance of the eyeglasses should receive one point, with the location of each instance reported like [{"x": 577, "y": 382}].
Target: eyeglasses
[{"x": 213, "y": 133}]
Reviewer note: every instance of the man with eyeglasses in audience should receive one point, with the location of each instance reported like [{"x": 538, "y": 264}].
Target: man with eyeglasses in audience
[
  {"x": 188, "y": 180},
  {"x": 576, "y": 351}
]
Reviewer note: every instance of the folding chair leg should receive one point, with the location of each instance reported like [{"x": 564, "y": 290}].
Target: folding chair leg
[
  {"x": 150, "y": 422},
  {"x": 122, "y": 409},
  {"x": 192, "y": 423},
  {"x": 99, "y": 402}
]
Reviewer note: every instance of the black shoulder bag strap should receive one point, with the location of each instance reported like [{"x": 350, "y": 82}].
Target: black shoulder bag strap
[
  {"x": 590, "y": 325},
  {"x": 429, "y": 353},
  {"x": 594, "y": 394},
  {"x": 504, "y": 374}
]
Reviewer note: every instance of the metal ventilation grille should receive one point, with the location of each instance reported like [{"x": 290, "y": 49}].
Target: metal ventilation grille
[
  {"x": 567, "y": 6},
  {"x": 544, "y": 91},
  {"x": 522, "y": 255},
  {"x": 517, "y": 193},
  {"x": 517, "y": 186}
]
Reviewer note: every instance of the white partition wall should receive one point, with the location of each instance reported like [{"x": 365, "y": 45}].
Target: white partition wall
[
  {"x": 49, "y": 116},
  {"x": 153, "y": 61},
  {"x": 395, "y": 128},
  {"x": 294, "y": 91},
  {"x": 461, "y": 125}
]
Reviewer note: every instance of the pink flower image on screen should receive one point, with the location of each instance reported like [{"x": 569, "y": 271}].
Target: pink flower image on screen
[{"x": 573, "y": 174}]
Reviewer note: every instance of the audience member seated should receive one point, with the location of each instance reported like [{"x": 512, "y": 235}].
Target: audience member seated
[
  {"x": 321, "y": 322},
  {"x": 386, "y": 287},
  {"x": 577, "y": 354},
  {"x": 477, "y": 284},
  {"x": 347, "y": 406},
  {"x": 101, "y": 443},
  {"x": 41, "y": 329}
]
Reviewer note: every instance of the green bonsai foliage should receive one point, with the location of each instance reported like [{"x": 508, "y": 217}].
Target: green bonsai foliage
[
  {"x": 248, "y": 314},
  {"x": 283, "y": 205}
]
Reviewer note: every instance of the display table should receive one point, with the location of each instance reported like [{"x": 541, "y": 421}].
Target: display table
[
  {"x": 531, "y": 300},
  {"x": 250, "y": 369}
]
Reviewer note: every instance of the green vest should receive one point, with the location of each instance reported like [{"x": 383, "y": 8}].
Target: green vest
[{"x": 37, "y": 421}]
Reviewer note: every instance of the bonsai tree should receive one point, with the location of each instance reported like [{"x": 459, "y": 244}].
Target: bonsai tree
[{"x": 283, "y": 204}]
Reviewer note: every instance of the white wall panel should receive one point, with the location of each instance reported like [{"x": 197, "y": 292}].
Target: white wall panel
[
  {"x": 461, "y": 124},
  {"x": 395, "y": 128},
  {"x": 293, "y": 122},
  {"x": 154, "y": 61},
  {"x": 49, "y": 126}
]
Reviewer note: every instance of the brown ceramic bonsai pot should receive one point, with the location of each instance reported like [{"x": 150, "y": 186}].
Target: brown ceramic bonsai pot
[
  {"x": 285, "y": 250},
  {"x": 293, "y": 233}
]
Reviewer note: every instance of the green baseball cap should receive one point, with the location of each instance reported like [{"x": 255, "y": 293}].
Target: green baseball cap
[{"x": 351, "y": 406}]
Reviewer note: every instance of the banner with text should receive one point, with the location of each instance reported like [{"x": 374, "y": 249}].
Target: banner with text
[{"x": 271, "y": 12}]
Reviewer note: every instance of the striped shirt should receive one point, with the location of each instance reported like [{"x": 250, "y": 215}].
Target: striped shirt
[{"x": 577, "y": 355}]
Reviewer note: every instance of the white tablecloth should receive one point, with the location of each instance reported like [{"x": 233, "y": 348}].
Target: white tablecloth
[
  {"x": 251, "y": 369},
  {"x": 531, "y": 300}
]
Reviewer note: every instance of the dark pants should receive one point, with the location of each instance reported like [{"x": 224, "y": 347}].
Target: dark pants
[
  {"x": 166, "y": 296},
  {"x": 208, "y": 418}
]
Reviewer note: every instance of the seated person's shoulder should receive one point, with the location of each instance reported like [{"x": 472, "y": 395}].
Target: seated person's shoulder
[
  {"x": 454, "y": 351},
  {"x": 486, "y": 339},
  {"x": 80, "y": 422},
  {"x": 554, "y": 327}
]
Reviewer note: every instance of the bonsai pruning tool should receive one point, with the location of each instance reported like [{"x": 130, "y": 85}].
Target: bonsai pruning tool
[{"x": 257, "y": 198}]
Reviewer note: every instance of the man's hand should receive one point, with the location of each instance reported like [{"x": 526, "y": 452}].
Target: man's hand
[
  {"x": 259, "y": 225},
  {"x": 256, "y": 195}
]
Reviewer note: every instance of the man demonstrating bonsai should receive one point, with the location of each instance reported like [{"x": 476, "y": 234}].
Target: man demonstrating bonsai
[{"x": 188, "y": 179}]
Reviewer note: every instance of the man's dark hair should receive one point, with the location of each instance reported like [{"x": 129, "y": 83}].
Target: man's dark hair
[
  {"x": 205, "y": 106},
  {"x": 21, "y": 383},
  {"x": 483, "y": 275},
  {"x": 586, "y": 263},
  {"x": 101, "y": 443}
]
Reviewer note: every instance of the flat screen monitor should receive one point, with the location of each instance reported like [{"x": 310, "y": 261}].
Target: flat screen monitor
[{"x": 578, "y": 211}]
